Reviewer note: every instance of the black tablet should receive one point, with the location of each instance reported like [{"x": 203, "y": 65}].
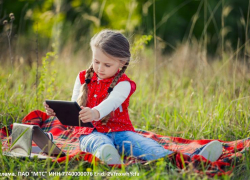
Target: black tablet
[{"x": 67, "y": 112}]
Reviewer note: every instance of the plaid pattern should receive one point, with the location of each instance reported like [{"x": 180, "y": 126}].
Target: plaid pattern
[{"x": 67, "y": 140}]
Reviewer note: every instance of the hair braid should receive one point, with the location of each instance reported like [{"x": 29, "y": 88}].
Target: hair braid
[
  {"x": 82, "y": 98},
  {"x": 105, "y": 119}
]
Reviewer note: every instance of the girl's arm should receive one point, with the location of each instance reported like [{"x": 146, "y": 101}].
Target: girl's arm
[
  {"x": 119, "y": 94},
  {"x": 76, "y": 89}
]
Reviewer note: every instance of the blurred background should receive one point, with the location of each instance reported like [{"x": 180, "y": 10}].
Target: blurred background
[
  {"x": 190, "y": 59},
  {"x": 215, "y": 26}
]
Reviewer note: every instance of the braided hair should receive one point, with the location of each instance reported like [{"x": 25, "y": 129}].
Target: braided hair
[
  {"x": 82, "y": 98},
  {"x": 114, "y": 44}
]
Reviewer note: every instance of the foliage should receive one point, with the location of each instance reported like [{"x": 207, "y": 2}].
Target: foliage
[
  {"x": 212, "y": 23},
  {"x": 139, "y": 45},
  {"x": 47, "y": 83},
  {"x": 177, "y": 20}
]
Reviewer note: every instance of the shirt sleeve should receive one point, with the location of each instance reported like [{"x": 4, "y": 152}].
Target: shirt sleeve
[
  {"x": 76, "y": 89},
  {"x": 119, "y": 94}
]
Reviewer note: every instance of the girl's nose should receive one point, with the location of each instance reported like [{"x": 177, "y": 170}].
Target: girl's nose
[{"x": 100, "y": 68}]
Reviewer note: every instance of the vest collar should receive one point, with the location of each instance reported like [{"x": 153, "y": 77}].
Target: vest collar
[{"x": 108, "y": 80}]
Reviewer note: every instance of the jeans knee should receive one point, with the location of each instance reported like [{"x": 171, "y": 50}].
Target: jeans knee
[{"x": 90, "y": 143}]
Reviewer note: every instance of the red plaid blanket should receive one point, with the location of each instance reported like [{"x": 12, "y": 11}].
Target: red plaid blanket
[{"x": 67, "y": 140}]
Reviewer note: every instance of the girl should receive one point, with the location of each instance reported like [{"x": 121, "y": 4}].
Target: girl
[{"x": 103, "y": 91}]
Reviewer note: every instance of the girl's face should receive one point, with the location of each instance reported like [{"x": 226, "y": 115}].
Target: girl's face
[{"x": 105, "y": 66}]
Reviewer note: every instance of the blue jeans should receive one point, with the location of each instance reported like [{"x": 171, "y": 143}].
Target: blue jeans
[{"x": 126, "y": 142}]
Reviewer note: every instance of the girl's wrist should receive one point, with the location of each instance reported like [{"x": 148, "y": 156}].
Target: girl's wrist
[{"x": 96, "y": 114}]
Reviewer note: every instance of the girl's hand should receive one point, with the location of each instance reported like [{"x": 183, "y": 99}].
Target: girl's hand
[
  {"x": 49, "y": 111},
  {"x": 88, "y": 115}
]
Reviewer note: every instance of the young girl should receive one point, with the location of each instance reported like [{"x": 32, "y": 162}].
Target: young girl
[{"x": 103, "y": 91}]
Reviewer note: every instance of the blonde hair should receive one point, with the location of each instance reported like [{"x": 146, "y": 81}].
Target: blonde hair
[{"x": 114, "y": 44}]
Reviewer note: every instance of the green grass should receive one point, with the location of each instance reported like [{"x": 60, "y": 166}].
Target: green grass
[{"x": 192, "y": 99}]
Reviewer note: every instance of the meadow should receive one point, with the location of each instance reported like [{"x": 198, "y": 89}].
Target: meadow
[{"x": 185, "y": 95}]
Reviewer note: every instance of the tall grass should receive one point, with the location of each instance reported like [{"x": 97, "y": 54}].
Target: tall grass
[{"x": 183, "y": 105}]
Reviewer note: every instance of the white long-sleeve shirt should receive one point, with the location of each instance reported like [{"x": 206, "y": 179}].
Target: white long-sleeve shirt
[{"x": 116, "y": 98}]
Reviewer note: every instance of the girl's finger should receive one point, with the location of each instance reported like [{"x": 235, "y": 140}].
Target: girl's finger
[
  {"x": 50, "y": 111},
  {"x": 82, "y": 115},
  {"x": 84, "y": 118},
  {"x": 83, "y": 111},
  {"x": 85, "y": 121}
]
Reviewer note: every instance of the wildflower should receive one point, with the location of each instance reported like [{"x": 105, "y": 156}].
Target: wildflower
[
  {"x": 5, "y": 22},
  {"x": 88, "y": 169},
  {"x": 12, "y": 17}
]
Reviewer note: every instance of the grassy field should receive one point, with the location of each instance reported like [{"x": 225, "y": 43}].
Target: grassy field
[{"x": 192, "y": 97}]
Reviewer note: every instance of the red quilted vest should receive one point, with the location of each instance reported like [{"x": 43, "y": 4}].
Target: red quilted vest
[{"x": 119, "y": 120}]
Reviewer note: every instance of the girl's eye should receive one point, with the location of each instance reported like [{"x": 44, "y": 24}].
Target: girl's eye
[
  {"x": 107, "y": 65},
  {"x": 97, "y": 62}
]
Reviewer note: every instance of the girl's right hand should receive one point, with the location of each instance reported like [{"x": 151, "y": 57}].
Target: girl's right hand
[{"x": 49, "y": 111}]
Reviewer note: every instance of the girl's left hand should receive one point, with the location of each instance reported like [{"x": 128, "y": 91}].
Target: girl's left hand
[{"x": 86, "y": 114}]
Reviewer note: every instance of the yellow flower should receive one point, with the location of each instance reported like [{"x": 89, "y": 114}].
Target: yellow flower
[{"x": 88, "y": 169}]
